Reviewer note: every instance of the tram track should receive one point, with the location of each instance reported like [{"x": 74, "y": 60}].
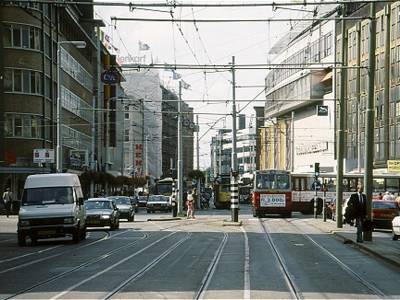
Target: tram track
[
  {"x": 80, "y": 266},
  {"x": 39, "y": 260},
  {"x": 122, "y": 261},
  {"x": 294, "y": 290},
  {"x": 357, "y": 276}
]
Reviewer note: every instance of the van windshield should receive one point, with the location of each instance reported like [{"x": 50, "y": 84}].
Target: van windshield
[{"x": 48, "y": 195}]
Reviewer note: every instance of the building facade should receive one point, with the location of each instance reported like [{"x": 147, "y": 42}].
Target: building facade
[
  {"x": 31, "y": 34},
  {"x": 299, "y": 116}
]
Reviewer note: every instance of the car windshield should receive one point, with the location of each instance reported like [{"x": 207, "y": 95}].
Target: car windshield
[
  {"x": 164, "y": 188},
  {"x": 122, "y": 200},
  {"x": 142, "y": 198},
  {"x": 48, "y": 195},
  {"x": 156, "y": 198},
  {"x": 384, "y": 204},
  {"x": 97, "y": 205}
]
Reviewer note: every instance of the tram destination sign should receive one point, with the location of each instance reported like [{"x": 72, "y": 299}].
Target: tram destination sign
[{"x": 272, "y": 200}]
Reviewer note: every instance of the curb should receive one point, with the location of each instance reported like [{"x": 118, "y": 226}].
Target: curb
[
  {"x": 366, "y": 249},
  {"x": 230, "y": 223},
  {"x": 165, "y": 219}
]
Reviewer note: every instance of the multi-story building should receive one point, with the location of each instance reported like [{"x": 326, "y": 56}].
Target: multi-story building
[
  {"x": 170, "y": 134},
  {"x": 299, "y": 108},
  {"x": 31, "y": 34},
  {"x": 221, "y": 151},
  {"x": 387, "y": 85}
]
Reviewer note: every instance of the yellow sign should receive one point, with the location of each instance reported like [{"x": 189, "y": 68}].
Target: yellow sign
[{"x": 393, "y": 166}]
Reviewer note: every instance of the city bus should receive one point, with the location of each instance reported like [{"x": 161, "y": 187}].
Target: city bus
[
  {"x": 303, "y": 190},
  {"x": 222, "y": 191},
  {"x": 272, "y": 193}
]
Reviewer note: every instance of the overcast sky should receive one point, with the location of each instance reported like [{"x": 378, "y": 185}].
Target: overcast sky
[{"x": 248, "y": 42}]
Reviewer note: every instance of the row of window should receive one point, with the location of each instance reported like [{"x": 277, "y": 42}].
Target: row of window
[
  {"x": 75, "y": 139},
  {"x": 23, "y": 81},
  {"x": 75, "y": 104},
  {"x": 25, "y": 126},
  {"x": 70, "y": 65},
  {"x": 22, "y": 36},
  {"x": 314, "y": 52}
]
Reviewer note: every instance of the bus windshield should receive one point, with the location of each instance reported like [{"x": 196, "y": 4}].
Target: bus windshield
[
  {"x": 164, "y": 188},
  {"x": 272, "y": 181}
]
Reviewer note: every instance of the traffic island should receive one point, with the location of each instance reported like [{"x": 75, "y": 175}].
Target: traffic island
[{"x": 231, "y": 223}]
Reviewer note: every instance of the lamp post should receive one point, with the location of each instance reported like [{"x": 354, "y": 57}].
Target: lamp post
[{"x": 80, "y": 45}]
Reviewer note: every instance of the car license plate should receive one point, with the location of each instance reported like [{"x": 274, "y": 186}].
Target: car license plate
[{"x": 46, "y": 232}]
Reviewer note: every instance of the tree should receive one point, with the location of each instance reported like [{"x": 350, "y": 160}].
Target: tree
[{"x": 196, "y": 174}]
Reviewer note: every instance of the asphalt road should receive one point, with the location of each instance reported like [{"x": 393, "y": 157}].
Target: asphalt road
[{"x": 264, "y": 258}]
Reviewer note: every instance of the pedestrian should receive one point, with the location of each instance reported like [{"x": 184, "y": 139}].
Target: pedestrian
[
  {"x": 7, "y": 200},
  {"x": 357, "y": 209},
  {"x": 190, "y": 206}
]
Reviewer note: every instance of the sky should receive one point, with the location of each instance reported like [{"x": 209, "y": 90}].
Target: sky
[{"x": 211, "y": 43}]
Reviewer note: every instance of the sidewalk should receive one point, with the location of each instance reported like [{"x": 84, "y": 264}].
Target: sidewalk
[{"x": 382, "y": 245}]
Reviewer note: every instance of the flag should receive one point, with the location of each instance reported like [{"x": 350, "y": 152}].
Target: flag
[
  {"x": 175, "y": 75},
  {"x": 143, "y": 46},
  {"x": 185, "y": 85}
]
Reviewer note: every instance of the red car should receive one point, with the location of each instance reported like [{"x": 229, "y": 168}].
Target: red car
[{"x": 383, "y": 212}]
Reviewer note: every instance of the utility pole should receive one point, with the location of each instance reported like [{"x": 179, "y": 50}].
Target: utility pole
[
  {"x": 198, "y": 161},
  {"x": 180, "y": 164},
  {"x": 340, "y": 142},
  {"x": 234, "y": 169},
  {"x": 369, "y": 118}
]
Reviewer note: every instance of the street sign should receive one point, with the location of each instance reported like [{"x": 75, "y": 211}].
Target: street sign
[
  {"x": 43, "y": 156},
  {"x": 322, "y": 110},
  {"x": 316, "y": 185},
  {"x": 110, "y": 77}
]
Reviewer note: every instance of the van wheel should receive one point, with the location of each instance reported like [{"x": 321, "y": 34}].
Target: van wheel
[
  {"x": 395, "y": 237},
  {"x": 21, "y": 239}
]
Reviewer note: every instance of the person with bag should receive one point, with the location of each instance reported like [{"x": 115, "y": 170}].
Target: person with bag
[
  {"x": 190, "y": 206},
  {"x": 7, "y": 199},
  {"x": 357, "y": 209}
]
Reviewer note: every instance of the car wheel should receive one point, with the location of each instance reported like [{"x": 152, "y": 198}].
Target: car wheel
[
  {"x": 395, "y": 237},
  {"x": 21, "y": 239}
]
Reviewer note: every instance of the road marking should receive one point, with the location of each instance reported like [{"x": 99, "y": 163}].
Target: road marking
[
  {"x": 246, "y": 291},
  {"x": 211, "y": 269},
  {"x": 59, "y": 295}
]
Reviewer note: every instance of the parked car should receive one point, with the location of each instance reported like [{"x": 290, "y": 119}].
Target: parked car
[
  {"x": 158, "y": 203},
  {"x": 142, "y": 201},
  {"x": 125, "y": 208},
  {"x": 52, "y": 206},
  {"x": 102, "y": 212},
  {"x": 396, "y": 228},
  {"x": 383, "y": 212}
]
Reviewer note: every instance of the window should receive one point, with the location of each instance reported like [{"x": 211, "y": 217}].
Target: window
[
  {"x": 16, "y": 37},
  {"x": 126, "y": 139},
  {"x": 76, "y": 70},
  {"x": 17, "y": 81},
  {"x": 7, "y": 36},
  {"x": 27, "y": 126},
  {"x": 8, "y": 80},
  {"x": 23, "y": 36},
  {"x": 26, "y": 81}
]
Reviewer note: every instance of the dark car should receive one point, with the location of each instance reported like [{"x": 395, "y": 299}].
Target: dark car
[
  {"x": 102, "y": 212},
  {"x": 125, "y": 208},
  {"x": 142, "y": 201},
  {"x": 383, "y": 212},
  {"x": 158, "y": 203}
]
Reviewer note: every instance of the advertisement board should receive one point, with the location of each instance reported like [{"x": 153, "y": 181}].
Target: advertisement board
[
  {"x": 43, "y": 156},
  {"x": 272, "y": 200}
]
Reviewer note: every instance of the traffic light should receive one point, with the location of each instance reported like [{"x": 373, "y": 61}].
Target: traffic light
[{"x": 316, "y": 169}]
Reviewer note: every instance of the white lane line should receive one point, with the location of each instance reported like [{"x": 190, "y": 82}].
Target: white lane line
[
  {"x": 246, "y": 291},
  {"x": 211, "y": 269},
  {"x": 59, "y": 295},
  {"x": 28, "y": 254},
  {"x": 146, "y": 268},
  {"x": 57, "y": 254}
]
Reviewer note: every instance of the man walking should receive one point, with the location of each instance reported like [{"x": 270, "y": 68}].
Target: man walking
[
  {"x": 357, "y": 209},
  {"x": 7, "y": 199}
]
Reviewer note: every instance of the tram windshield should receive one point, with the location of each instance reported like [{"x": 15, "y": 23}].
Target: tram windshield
[{"x": 272, "y": 181}]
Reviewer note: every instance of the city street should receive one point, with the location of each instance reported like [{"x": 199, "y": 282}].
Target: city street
[{"x": 200, "y": 258}]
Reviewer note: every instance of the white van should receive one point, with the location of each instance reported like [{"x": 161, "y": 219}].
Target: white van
[{"x": 51, "y": 206}]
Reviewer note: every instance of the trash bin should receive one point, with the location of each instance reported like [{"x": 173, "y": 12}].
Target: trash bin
[{"x": 174, "y": 209}]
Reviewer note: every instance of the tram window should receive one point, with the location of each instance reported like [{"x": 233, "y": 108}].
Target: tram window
[
  {"x": 378, "y": 185},
  {"x": 282, "y": 181},
  {"x": 331, "y": 185},
  {"x": 392, "y": 184}
]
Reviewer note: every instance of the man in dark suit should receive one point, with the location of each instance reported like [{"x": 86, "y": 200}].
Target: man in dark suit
[{"x": 357, "y": 209}]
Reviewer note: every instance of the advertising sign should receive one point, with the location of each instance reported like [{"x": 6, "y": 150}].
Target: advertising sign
[
  {"x": 393, "y": 166},
  {"x": 138, "y": 159},
  {"x": 43, "y": 156},
  {"x": 272, "y": 200}
]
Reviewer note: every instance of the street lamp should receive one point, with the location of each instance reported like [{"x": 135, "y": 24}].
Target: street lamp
[{"x": 80, "y": 45}]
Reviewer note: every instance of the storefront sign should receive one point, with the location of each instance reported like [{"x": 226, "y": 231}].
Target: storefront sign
[
  {"x": 43, "y": 156},
  {"x": 393, "y": 166}
]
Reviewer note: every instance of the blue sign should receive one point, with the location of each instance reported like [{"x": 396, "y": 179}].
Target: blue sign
[
  {"x": 316, "y": 185},
  {"x": 110, "y": 77}
]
